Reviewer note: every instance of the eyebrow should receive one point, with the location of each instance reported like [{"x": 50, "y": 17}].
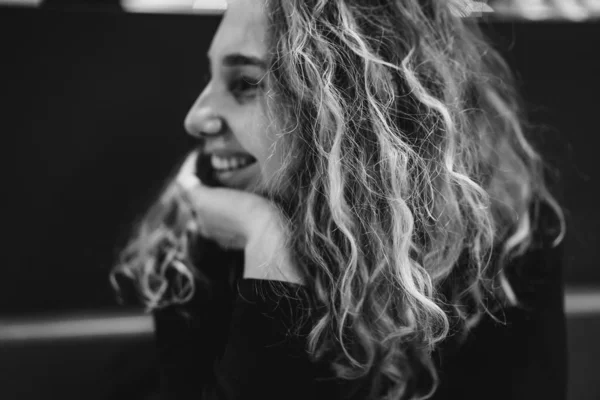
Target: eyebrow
[{"x": 240, "y": 60}]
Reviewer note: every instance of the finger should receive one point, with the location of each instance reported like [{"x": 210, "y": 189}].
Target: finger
[
  {"x": 210, "y": 198},
  {"x": 233, "y": 208},
  {"x": 187, "y": 174}
]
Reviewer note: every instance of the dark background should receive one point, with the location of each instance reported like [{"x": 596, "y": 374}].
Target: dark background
[
  {"x": 93, "y": 107},
  {"x": 92, "y": 123}
]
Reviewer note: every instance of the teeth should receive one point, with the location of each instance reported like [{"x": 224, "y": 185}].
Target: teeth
[{"x": 228, "y": 163}]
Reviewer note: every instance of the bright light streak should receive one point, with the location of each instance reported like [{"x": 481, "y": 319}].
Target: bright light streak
[
  {"x": 25, "y": 3},
  {"x": 582, "y": 301},
  {"x": 176, "y": 6},
  {"x": 579, "y": 302},
  {"x": 548, "y": 10},
  {"x": 74, "y": 327}
]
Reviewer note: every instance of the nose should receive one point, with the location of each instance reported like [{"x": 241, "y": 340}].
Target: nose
[{"x": 202, "y": 121}]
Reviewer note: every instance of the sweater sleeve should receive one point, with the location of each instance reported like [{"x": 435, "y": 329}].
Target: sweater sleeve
[
  {"x": 265, "y": 356},
  {"x": 187, "y": 340},
  {"x": 257, "y": 353}
]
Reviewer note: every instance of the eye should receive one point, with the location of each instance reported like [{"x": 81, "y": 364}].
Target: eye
[{"x": 243, "y": 85}]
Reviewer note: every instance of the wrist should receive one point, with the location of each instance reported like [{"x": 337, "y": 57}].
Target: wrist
[{"x": 266, "y": 256}]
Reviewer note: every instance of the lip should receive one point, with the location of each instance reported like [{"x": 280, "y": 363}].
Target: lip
[
  {"x": 237, "y": 176},
  {"x": 213, "y": 178},
  {"x": 227, "y": 153},
  {"x": 210, "y": 177}
]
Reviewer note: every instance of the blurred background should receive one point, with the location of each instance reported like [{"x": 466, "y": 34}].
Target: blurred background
[{"x": 93, "y": 96}]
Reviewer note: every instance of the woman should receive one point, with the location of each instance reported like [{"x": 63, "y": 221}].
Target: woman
[{"x": 392, "y": 236}]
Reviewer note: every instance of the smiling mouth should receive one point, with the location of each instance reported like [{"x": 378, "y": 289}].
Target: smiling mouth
[
  {"x": 213, "y": 177},
  {"x": 225, "y": 176}
]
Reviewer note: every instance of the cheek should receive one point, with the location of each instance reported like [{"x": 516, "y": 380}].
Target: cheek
[
  {"x": 269, "y": 168},
  {"x": 259, "y": 139},
  {"x": 270, "y": 154},
  {"x": 256, "y": 138}
]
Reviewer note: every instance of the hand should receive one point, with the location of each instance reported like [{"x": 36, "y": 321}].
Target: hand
[{"x": 241, "y": 220}]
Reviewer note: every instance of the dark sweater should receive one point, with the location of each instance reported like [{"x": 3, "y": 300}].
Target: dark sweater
[{"x": 237, "y": 344}]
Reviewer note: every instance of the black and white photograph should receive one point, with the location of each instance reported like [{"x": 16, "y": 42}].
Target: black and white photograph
[{"x": 300, "y": 199}]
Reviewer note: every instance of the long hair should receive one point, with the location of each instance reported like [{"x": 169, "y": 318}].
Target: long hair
[{"x": 408, "y": 182}]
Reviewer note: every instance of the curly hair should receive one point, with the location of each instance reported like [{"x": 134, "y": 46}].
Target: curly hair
[{"x": 407, "y": 171}]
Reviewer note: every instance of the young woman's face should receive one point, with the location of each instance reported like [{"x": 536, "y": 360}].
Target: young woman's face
[{"x": 228, "y": 114}]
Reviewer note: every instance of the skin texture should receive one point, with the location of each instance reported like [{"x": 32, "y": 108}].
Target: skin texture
[
  {"x": 229, "y": 113},
  {"x": 241, "y": 220}
]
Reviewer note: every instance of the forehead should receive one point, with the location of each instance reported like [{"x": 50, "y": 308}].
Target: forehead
[{"x": 243, "y": 29}]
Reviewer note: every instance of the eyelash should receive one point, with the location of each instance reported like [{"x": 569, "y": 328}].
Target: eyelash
[
  {"x": 248, "y": 82},
  {"x": 245, "y": 82}
]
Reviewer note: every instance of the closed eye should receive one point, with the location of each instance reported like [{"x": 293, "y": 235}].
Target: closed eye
[
  {"x": 240, "y": 86},
  {"x": 244, "y": 84}
]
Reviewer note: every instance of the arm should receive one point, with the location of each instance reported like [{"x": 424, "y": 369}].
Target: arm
[
  {"x": 244, "y": 356},
  {"x": 253, "y": 355},
  {"x": 264, "y": 358},
  {"x": 186, "y": 347}
]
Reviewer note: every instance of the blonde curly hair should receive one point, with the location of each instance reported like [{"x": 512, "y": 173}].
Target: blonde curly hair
[{"x": 407, "y": 164}]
